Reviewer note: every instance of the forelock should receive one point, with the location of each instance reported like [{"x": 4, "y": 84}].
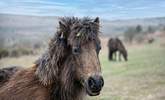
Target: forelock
[{"x": 89, "y": 29}]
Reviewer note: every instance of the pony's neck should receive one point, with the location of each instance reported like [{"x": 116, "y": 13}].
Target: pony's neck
[
  {"x": 49, "y": 65},
  {"x": 67, "y": 87},
  {"x": 56, "y": 69},
  {"x": 58, "y": 92}
]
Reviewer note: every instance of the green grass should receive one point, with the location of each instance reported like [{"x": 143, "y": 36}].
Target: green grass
[{"x": 142, "y": 77}]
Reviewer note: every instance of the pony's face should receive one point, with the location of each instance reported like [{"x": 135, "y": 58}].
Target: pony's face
[
  {"x": 85, "y": 47},
  {"x": 89, "y": 69}
]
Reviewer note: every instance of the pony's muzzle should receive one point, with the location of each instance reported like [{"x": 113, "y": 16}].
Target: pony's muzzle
[{"x": 95, "y": 84}]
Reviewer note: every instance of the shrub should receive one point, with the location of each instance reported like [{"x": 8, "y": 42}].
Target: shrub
[
  {"x": 140, "y": 38},
  {"x": 129, "y": 34},
  {"x": 151, "y": 29},
  {"x": 19, "y": 52},
  {"x": 3, "y": 53},
  {"x": 132, "y": 32}
]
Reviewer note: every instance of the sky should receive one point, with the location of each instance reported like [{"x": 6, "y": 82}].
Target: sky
[{"x": 107, "y": 9}]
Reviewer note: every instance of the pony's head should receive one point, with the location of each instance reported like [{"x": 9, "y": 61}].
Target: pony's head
[
  {"x": 84, "y": 46},
  {"x": 72, "y": 57}
]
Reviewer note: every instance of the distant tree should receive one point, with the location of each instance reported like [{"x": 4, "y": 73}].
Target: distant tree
[
  {"x": 129, "y": 34},
  {"x": 1, "y": 41},
  {"x": 139, "y": 29},
  {"x": 139, "y": 38},
  {"x": 132, "y": 32},
  {"x": 164, "y": 28},
  {"x": 151, "y": 29},
  {"x": 37, "y": 45}
]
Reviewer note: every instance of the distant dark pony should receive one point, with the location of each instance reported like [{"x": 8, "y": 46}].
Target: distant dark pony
[
  {"x": 114, "y": 45},
  {"x": 151, "y": 40},
  {"x": 68, "y": 70}
]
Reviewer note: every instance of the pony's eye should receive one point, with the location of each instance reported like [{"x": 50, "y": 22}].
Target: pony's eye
[
  {"x": 75, "y": 27},
  {"x": 76, "y": 50}
]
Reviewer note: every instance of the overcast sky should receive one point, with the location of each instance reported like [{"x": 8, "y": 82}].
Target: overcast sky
[{"x": 108, "y": 9}]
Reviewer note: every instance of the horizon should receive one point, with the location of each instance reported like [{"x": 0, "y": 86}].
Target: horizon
[
  {"x": 9, "y": 14},
  {"x": 107, "y": 9}
]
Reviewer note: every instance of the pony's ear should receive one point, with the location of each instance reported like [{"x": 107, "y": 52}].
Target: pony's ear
[
  {"x": 97, "y": 20},
  {"x": 62, "y": 26}
]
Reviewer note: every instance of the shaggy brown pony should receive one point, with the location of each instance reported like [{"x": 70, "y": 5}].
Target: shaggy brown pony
[
  {"x": 68, "y": 70},
  {"x": 114, "y": 45}
]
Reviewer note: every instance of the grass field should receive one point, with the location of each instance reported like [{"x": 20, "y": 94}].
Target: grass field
[{"x": 142, "y": 77}]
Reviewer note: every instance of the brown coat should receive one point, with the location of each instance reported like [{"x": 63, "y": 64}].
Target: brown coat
[{"x": 24, "y": 85}]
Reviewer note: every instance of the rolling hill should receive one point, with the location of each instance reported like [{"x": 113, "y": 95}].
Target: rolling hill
[{"x": 41, "y": 26}]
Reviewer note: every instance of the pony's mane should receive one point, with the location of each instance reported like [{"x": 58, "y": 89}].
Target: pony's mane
[
  {"x": 50, "y": 63},
  {"x": 91, "y": 28}
]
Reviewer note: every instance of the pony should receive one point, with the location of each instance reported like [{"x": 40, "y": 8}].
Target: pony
[
  {"x": 114, "y": 45},
  {"x": 68, "y": 70}
]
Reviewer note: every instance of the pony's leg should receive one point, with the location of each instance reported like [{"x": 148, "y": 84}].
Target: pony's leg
[
  {"x": 119, "y": 56},
  {"x": 110, "y": 55},
  {"x": 125, "y": 57},
  {"x": 115, "y": 58}
]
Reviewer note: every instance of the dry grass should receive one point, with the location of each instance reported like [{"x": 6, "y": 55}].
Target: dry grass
[{"x": 23, "y": 61}]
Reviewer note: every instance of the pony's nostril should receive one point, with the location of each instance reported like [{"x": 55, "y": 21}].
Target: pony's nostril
[
  {"x": 95, "y": 84},
  {"x": 91, "y": 83}
]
